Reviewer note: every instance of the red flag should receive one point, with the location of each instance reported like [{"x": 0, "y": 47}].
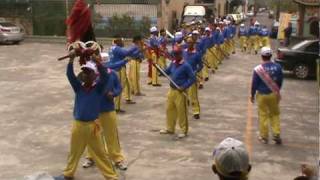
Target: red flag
[{"x": 79, "y": 23}]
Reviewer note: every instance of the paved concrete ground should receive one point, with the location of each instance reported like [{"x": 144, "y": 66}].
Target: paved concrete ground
[
  {"x": 36, "y": 108},
  {"x": 36, "y": 116}
]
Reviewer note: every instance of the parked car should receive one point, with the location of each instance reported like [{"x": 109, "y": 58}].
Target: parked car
[
  {"x": 235, "y": 17},
  {"x": 10, "y": 32},
  {"x": 300, "y": 58},
  {"x": 250, "y": 13},
  {"x": 274, "y": 29},
  {"x": 271, "y": 14}
]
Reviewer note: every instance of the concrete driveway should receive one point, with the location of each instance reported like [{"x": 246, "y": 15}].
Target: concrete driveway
[{"x": 36, "y": 104}]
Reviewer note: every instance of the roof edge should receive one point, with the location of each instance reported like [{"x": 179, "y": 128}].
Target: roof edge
[{"x": 307, "y": 3}]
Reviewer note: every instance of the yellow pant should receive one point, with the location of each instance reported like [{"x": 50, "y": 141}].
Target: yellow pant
[
  {"x": 162, "y": 62},
  {"x": 108, "y": 122},
  {"x": 193, "y": 95},
  {"x": 269, "y": 112},
  {"x": 83, "y": 134},
  {"x": 134, "y": 76},
  {"x": 224, "y": 49},
  {"x": 216, "y": 56},
  {"x": 177, "y": 109},
  {"x": 205, "y": 69},
  {"x": 228, "y": 46},
  {"x": 233, "y": 45},
  {"x": 122, "y": 75},
  {"x": 265, "y": 41},
  {"x": 154, "y": 74},
  {"x": 212, "y": 58},
  {"x": 258, "y": 42},
  {"x": 253, "y": 43},
  {"x": 243, "y": 42},
  {"x": 219, "y": 53}
]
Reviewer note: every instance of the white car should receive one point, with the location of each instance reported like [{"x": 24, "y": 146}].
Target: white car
[
  {"x": 250, "y": 13},
  {"x": 10, "y": 32},
  {"x": 235, "y": 17}
]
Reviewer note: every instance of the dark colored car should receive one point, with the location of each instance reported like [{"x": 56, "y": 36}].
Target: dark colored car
[{"x": 300, "y": 58}]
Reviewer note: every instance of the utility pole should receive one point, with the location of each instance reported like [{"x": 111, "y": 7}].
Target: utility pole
[
  {"x": 278, "y": 10},
  {"x": 67, "y": 8}
]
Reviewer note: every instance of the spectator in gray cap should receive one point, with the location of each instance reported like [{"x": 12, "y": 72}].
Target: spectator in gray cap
[{"x": 231, "y": 160}]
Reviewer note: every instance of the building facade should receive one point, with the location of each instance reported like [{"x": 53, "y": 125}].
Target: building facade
[{"x": 309, "y": 17}]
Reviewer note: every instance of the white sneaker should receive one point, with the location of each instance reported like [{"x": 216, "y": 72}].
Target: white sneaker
[
  {"x": 182, "y": 135},
  {"x": 164, "y": 131},
  {"x": 88, "y": 163},
  {"x": 121, "y": 165}
]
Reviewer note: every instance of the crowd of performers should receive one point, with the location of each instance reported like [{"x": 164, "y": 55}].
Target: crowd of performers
[{"x": 186, "y": 59}]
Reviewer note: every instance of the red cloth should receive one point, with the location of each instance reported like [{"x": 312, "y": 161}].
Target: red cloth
[{"x": 79, "y": 21}]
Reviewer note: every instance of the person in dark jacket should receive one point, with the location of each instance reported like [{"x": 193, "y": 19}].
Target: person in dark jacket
[{"x": 287, "y": 34}]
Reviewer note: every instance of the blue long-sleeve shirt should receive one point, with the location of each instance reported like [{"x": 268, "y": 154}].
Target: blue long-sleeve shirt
[
  {"x": 118, "y": 53},
  {"x": 113, "y": 85},
  {"x": 154, "y": 42},
  {"x": 87, "y": 101},
  {"x": 227, "y": 32},
  {"x": 215, "y": 37},
  {"x": 194, "y": 59},
  {"x": 115, "y": 65},
  {"x": 242, "y": 31},
  {"x": 252, "y": 31},
  {"x": 181, "y": 74},
  {"x": 137, "y": 54},
  {"x": 208, "y": 42},
  {"x": 221, "y": 38},
  {"x": 264, "y": 32},
  {"x": 233, "y": 29},
  {"x": 275, "y": 72}
]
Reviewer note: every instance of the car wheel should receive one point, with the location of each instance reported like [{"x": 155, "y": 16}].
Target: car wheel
[
  {"x": 16, "y": 42},
  {"x": 301, "y": 71}
]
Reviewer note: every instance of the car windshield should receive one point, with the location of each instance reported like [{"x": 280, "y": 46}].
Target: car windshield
[
  {"x": 7, "y": 24},
  {"x": 188, "y": 19},
  {"x": 300, "y": 45}
]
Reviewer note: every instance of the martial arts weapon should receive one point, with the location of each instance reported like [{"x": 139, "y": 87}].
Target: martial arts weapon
[
  {"x": 83, "y": 50},
  {"x": 169, "y": 34},
  {"x": 169, "y": 78}
]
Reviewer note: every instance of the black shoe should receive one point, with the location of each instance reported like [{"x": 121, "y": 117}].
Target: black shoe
[
  {"x": 277, "y": 140},
  {"x": 256, "y": 52},
  {"x": 120, "y": 111},
  {"x": 149, "y": 83},
  {"x": 245, "y": 49},
  {"x": 196, "y": 116},
  {"x": 206, "y": 79},
  {"x": 156, "y": 85},
  {"x": 201, "y": 86},
  {"x": 130, "y": 102},
  {"x": 233, "y": 52}
]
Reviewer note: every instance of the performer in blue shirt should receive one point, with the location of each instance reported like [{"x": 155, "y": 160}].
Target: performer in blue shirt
[
  {"x": 243, "y": 37},
  {"x": 266, "y": 85},
  {"x": 117, "y": 54},
  {"x": 182, "y": 74},
  {"x": 264, "y": 35}
]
